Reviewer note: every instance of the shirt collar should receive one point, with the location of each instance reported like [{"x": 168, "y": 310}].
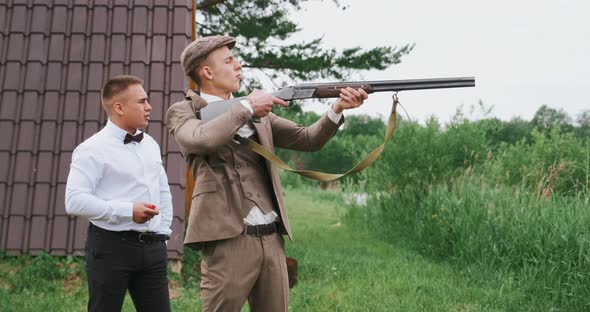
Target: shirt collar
[
  {"x": 212, "y": 98},
  {"x": 114, "y": 130}
]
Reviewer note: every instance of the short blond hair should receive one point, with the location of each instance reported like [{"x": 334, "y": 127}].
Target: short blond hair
[{"x": 117, "y": 85}]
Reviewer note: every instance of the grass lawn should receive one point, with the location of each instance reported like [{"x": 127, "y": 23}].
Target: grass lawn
[{"x": 342, "y": 267}]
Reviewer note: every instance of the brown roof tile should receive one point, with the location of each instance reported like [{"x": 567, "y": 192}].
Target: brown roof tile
[
  {"x": 69, "y": 136},
  {"x": 99, "y": 20},
  {"x": 97, "y": 47},
  {"x": 58, "y": 22},
  {"x": 2, "y": 19},
  {"x": 39, "y": 21},
  {"x": 118, "y": 47},
  {"x": 59, "y": 208},
  {"x": 18, "y": 19},
  {"x": 37, "y": 48},
  {"x": 41, "y": 199},
  {"x": 79, "y": 20},
  {"x": 6, "y": 128},
  {"x": 160, "y": 21},
  {"x": 16, "y": 42},
  {"x": 93, "y": 109},
  {"x": 138, "y": 47},
  {"x": 56, "y": 47},
  {"x": 116, "y": 69},
  {"x": 177, "y": 192},
  {"x": 81, "y": 227},
  {"x": 95, "y": 81},
  {"x": 158, "y": 49},
  {"x": 59, "y": 237},
  {"x": 8, "y": 106},
  {"x": 26, "y": 136},
  {"x": 2, "y": 194},
  {"x": 176, "y": 70},
  {"x": 156, "y": 129},
  {"x": 157, "y": 101},
  {"x": 30, "y": 106},
  {"x": 48, "y": 135},
  {"x": 181, "y": 21},
  {"x": 4, "y": 159},
  {"x": 138, "y": 69},
  {"x": 51, "y": 100},
  {"x": 119, "y": 20},
  {"x": 19, "y": 199},
  {"x": 16, "y": 226},
  {"x": 38, "y": 233},
  {"x": 157, "y": 77},
  {"x": 77, "y": 44},
  {"x": 140, "y": 20},
  {"x": 58, "y": 54},
  {"x": 71, "y": 106},
  {"x": 34, "y": 77},
  {"x": 44, "y": 172},
  {"x": 176, "y": 168},
  {"x": 12, "y": 82},
  {"x": 53, "y": 79},
  {"x": 23, "y": 168}
]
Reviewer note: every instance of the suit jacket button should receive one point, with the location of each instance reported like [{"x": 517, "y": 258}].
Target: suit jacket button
[
  {"x": 248, "y": 195},
  {"x": 244, "y": 179}
]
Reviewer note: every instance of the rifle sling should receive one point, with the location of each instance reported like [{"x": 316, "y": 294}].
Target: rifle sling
[{"x": 326, "y": 177}]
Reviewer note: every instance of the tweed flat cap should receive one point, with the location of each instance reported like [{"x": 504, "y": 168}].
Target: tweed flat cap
[{"x": 197, "y": 51}]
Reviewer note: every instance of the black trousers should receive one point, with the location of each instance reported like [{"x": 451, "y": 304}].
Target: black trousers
[{"x": 115, "y": 264}]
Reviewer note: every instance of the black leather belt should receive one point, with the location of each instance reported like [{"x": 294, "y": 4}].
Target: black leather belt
[
  {"x": 262, "y": 229},
  {"x": 142, "y": 237}
]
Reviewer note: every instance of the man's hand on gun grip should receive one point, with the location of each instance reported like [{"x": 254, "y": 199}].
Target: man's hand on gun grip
[{"x": 262, "y": 102}]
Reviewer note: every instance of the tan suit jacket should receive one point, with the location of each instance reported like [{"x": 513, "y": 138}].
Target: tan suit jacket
[{"x": 208, "y": 149}]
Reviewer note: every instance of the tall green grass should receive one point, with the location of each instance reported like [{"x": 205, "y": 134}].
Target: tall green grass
[{"x": 521, "y": 208}]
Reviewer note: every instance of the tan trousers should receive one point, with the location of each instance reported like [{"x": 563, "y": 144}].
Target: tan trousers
[{"x": 245, "y": 268}]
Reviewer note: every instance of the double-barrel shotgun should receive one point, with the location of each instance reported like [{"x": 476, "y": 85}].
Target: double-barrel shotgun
[{"x": 332, "y": 90}]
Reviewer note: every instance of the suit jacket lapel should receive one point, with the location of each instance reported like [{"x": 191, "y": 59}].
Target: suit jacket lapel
[{"x": 262, "y": 132}]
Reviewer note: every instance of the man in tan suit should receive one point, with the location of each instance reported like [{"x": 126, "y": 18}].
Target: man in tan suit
[{"x": 238, "y": 214}]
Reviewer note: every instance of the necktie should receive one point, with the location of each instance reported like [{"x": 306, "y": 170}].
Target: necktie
[{"x": 130, "y": 138}]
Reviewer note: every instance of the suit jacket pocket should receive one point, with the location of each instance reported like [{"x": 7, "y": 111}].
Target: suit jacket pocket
[{"x": 204, "y": 187}]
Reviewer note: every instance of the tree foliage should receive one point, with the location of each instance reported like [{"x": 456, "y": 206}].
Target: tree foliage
[
  {"x": 264, "y": 29},
  {"x": 547, "y": 118}
]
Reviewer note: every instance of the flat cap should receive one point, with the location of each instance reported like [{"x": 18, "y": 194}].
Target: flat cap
[{"x": 197, "y": 51}]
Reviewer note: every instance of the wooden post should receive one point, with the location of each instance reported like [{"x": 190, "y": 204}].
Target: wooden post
[{"x": 190, "y": 180}]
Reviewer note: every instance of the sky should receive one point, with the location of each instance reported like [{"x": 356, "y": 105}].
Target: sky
[{"x": 523, "y": 54}]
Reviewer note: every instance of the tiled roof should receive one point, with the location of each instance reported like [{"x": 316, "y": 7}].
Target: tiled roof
[{"x": 54, "y": 58}]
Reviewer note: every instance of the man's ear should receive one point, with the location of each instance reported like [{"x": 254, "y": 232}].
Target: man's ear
[
  {"x": 118, "y": 108},
  {"x": 207, "y": 72}
]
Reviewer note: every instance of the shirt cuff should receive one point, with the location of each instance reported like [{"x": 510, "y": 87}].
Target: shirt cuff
[
  {"x": 247, "y": 104},
  {"x": 334, "y": 117},
  {"x": 122, "y": 211}
]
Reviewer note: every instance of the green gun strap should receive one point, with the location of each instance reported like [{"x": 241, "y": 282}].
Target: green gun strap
[{"x": 326, "y": 177}]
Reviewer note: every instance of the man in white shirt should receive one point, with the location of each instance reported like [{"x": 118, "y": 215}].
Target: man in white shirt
[
  {"x": 238, "y": 215},
  {"x": 117, "y": 181}
]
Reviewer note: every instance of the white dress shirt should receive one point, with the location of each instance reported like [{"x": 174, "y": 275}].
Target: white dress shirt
[
  {"x": 107, "y": 176},
  {"x": 256, "y": 216}
]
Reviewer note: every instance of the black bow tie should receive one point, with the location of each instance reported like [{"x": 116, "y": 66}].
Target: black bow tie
[{"x": 130, "y": 138}]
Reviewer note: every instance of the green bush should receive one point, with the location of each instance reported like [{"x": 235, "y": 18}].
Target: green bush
[{"x": 471, "y": 194}]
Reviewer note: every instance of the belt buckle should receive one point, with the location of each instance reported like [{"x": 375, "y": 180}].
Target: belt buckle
[
  {"x": 139, "y": 237},
  {"x": 257, "y": 232}
]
